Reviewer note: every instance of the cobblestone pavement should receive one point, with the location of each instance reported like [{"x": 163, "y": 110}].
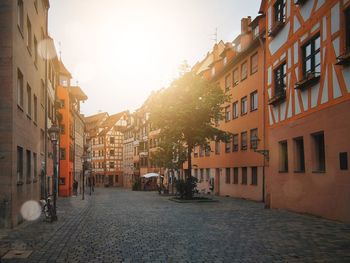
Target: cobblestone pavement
[{"x": 117, "y": 225}]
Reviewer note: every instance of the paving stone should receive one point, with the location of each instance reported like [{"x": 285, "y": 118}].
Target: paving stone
[{"x": 118, "y": 225}]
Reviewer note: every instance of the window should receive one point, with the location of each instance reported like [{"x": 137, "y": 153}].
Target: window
[
  {"x": 312, "y": 57},
  {"x": 228, "y": 176},
  {"x": 280, "y": 80},
  {"x": 299, "y": 159},
  {"x": 253, "y": 132},
  {"x": 225, "y": 60},
  {"x": 111, "y": 152},
  {"x": 29, "y": 165},
  {"x": 36, "y": 5},
  {"x": 228, "y": 146},
  {"x": 201, "y": 151},
  {"x": 20, "y": 88},
  {"x": 254, "y": 175},
  {"x": 235, "y": 110},
  {"x": 319, "y": 160},
  {"x": 254, "y": 63},
  {"x": 227, "y": 82},
  {"x": 347, "y": 29},
  {"x": 235, "y": 142},
  {"x": 227, "y": 113},
  {"x": 254, "y": 101},
  {"x": 244, "y": 71},
  {"x": 201, "y": 171},
  {"x": 217, "y": 147},
  {"x": 19, "y": 164},
  {"x": 207, "y": 150},
  {"x": 279, "y": 10},
  {"x": 29, "y": 35},
  {"x": 244, "y": 175},
  {"x": 283, "y": 156},
  {"x": 111, "y": 140},
  {"x": 35, "y": 51},
  {"x": 243, "y": 140},
  {"x": 343, "y": 160},
  {"x": 235, "y": 175},
  {"x": 111, "y": 164},
  {"x": 20, "y": 16},
  {"x": 29, "y": 100},
  {"x": 208, "y": 174},
  {"x": 195, "y": 151},
  {"x": 244, "y": 106},
  {"x": 62, "y": 128},
  {"x": 35, "y": 108},
  {"x": 235, "y": 77},
  {"x": 62, "y": 154},
  {"x": 35, "y": 164}
]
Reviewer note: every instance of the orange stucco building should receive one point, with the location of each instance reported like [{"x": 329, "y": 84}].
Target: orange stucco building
[
  {"x": 68, "y": 98},
  {"x": 234, "y": 168},
  {"x": 307, "y": 92}
]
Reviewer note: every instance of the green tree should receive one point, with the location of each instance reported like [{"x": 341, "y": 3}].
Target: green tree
[{"x": 187, "y": 113}]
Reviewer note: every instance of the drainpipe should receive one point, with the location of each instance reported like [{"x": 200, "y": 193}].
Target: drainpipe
[{"x": 264, "y": 118}]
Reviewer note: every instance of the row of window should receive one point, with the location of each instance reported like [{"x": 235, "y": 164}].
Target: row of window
[
  {"x": 244, "y": 106},
  {"x": 234, "y": 80},
  {"x": 30, "y": 38},
  {"x": 234, "y": 147},
  {"x": 29, "y": 101},
  {"x": 30, "y": 164},
  {"x": 244, "y": 176},
  {"x": 318, "y": 155},
  {"x": 230, "y": 177}
]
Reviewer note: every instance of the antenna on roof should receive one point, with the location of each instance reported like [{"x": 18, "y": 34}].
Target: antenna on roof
[
  {"x": 59, "y": 49},
  {"x": 215, "y": 35}
]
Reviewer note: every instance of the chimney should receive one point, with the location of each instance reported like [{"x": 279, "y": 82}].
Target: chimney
[{"x": 245, "y": 21}]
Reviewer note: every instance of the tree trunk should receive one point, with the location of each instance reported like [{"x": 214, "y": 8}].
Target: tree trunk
[{"x": 189, "y": 161}]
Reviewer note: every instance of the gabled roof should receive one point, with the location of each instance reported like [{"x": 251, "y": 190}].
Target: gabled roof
[
  {"x": 111, "y": 122},
  {"x": 63, "y": 70},
  {"x": 77, "y": 93},
  {"x": 211, "y": 57}
]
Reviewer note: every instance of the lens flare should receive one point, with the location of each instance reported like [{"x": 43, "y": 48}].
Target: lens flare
[
  {"x": 46, "y": 49},
  {"x": 31, "y": 210}
]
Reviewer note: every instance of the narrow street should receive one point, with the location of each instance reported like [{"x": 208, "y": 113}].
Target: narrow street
[{"x": 117, "y": 225}]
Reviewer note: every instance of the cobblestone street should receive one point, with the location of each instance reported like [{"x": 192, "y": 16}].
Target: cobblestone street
[{"x": 117, "y": 225}]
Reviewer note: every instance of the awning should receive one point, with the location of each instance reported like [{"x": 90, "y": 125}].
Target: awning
[{"x": 149, "y": 175}]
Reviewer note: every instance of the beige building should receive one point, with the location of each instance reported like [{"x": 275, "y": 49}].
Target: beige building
[{"x": 23, "y": 27}]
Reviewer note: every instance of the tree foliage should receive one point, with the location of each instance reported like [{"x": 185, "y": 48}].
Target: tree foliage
[{"x": 187, "y": 113}]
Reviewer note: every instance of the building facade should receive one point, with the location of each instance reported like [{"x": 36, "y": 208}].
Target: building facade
[
  {"x": 106, "y": 136},
  {"x": 308, "y": 92},
  {"x": 233, "y": 168},
  {"x": 23, "y": 25}
]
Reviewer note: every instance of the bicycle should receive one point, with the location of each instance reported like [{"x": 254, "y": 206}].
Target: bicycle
[{"x": 48, "y": 209}]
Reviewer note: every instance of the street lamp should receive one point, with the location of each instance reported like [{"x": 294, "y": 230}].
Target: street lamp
[
  {"x": 254, "y": 143},
  {"x": 54, "y": 136},
  {"x": 83, "y": 160}
]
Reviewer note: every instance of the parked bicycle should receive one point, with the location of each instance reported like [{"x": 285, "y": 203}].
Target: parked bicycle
[{"x": 48, "y": 209}]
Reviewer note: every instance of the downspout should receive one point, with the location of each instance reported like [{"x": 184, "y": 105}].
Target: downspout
[
  {"x": 45, "y": 106},
  {"x": 264, "y": 118}
]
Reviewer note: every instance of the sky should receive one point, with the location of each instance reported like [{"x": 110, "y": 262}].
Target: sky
[{"x": 118, "y": 51}]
